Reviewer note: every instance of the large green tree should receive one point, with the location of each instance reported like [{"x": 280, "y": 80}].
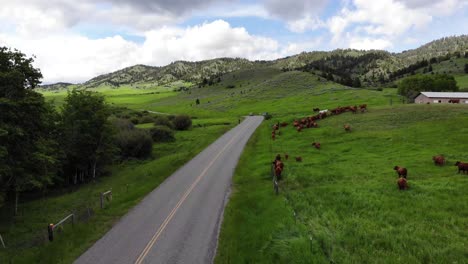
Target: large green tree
[
  {"x": 411, "y": 86},
  {"x": 28, "y": 150},
  {"x": 87, "y": 137}
]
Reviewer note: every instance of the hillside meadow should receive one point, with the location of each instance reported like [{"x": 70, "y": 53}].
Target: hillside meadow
[
  {"x": 341, "y": 204},
  {"x": 338, "y": 204}
]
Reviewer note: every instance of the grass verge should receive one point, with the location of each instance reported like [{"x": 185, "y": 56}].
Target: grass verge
[{"x": 25, "y": 235}]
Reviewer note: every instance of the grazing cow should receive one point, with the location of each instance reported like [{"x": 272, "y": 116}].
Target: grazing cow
[
  {"x": 299, "y": 128},
  {"x": 278, "y": 172},
  {"x": 278, "y": 169},
  {"x": 316, "y": 109},
  {"x": 353, "y": 109},
  {"x": 278, "y": 157},
  {"x": 278, "y": 166},
  {"x": 462, "y": 167},
  {"x": 454, "y": 101},
  {"x": 286, "y": 156},
  {"x": 316, "y": 145},
  {"x": 347, "y": 128},
  {"x": 402, "y": 172},
  {"x": 439, "y": 160},
  {"x": 402, "y": 183},
  {"x": 298, "y": 159},
  {"x": 363, "y": 108}
]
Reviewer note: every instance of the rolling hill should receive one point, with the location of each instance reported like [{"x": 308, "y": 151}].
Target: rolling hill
[{"x": 373, "y": 67}]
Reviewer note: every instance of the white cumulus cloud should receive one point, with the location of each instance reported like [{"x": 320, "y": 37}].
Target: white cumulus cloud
[{"x": 75, "y": 58}]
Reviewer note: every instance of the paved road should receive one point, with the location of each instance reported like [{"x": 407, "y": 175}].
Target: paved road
[{"x": 178, "y": 222}]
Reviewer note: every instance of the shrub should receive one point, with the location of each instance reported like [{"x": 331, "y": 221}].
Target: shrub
[
  {"x": 122, "y": 124},
  {"x": 135, "y": 120},
  {"x": 182, "y": 122},
  {"x": 163, "y": 121},
  {"x": 162, "y": 134},
  {"x": 146, "y": 119},
  {"x": 134, "y": 143}
]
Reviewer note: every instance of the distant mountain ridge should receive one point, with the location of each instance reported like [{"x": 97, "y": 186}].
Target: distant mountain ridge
[{"x": 346, "y": 65}]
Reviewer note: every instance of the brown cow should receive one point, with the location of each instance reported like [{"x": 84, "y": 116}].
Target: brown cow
[
  {"x": 316, "y": 145},
  {"x": 363, "y": 108},
  {"x": 278, "y": 166},
  {"x": 286, "y": 156},
  {"x": 402, "y": 183},
  {"x": 462, "y": 167},
  {"x": 298, "y": 159},
  {"x": 439, "y": 160},
  {"x": 347, "y": 128},
  {"x": 402, "y": 172}
]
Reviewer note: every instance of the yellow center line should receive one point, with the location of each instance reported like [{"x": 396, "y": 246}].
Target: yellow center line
[{"x": 186, "y": 194}]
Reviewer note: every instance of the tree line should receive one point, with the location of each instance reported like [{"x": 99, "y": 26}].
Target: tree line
[
  {"x": 41, "y": 147},
  {"x": 410, "y": 87},
  {"x": 344, "y": 69}
]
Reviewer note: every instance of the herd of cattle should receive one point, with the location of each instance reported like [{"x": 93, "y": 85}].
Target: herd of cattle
[
  {"x": 438, "y": 161},
  {"x": 311, "y": 122}
]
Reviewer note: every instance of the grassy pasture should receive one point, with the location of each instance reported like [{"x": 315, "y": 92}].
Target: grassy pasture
[
  {"x": 341, "y": 204},
  {"x": 269, "y": 90},
  {"x": 21, "y": 232},
  {"x": 462, "y": 81},
  {"x": 334, "y": 193}
]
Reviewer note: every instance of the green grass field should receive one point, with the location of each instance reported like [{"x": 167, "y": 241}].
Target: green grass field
[
  {"x": 341, "y": 204},
  {"x": 462, "y": 81},
  {"x": 25, "y": 234}
]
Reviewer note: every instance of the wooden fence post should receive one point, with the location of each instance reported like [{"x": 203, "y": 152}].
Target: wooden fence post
[
  {"x": 1, "y": 240},
  {"x": 106, "y": 194}
]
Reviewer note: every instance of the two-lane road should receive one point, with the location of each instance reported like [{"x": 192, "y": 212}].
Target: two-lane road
[{"x": 178, "y": 222}]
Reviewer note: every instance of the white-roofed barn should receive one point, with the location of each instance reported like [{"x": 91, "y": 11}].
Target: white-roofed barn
[{"x": 441, "y": 98}]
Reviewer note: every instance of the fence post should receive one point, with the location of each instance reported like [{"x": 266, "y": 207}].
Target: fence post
[
  {"x": 3, "y": 243},
  {"x": 275, "y": 182},
  {"x": 50, "y": 231},
  {"x": 106, "y": 194}
]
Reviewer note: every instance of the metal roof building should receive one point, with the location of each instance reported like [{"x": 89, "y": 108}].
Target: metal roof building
[{"x": 441, "y": 97}]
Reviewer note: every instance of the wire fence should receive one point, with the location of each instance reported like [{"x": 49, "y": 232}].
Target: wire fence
[{"x": 41, "y": 235}]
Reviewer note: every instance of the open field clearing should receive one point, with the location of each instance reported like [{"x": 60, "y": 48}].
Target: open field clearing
[{"x": 342, "y": 204}]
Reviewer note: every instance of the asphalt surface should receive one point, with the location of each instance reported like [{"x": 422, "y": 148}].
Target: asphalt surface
[{"x": 179, "y": 221}]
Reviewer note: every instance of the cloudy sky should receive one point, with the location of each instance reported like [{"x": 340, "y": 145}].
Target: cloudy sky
[{"x": 74, "y": 41}]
